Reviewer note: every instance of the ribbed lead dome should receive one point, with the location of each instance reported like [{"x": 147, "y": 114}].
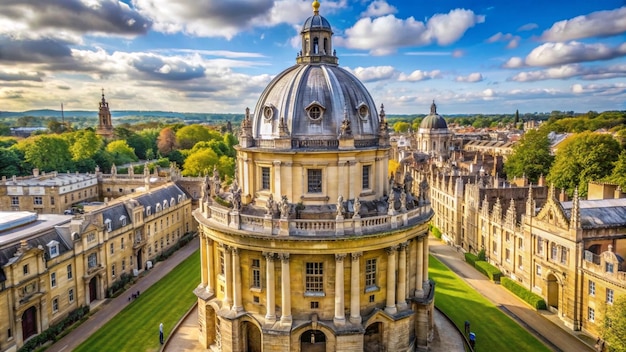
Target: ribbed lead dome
[
  {"x": 433, "y": 121},
  {"x": 315, "y": 101}
]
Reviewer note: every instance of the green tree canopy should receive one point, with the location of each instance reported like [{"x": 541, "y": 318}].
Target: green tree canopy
[
  {"x": 200, "y": 162},
  {"x": 531, "y": 156},
  {"x": 614, "y": 325},
  {"x": 85, "y": 145},
  {"x": 618, "y": 175},
  {"x": 9, "y": 162},
  {"x": 401, "y": 126},
  {"x": 188, "y": 136},
  {"x": 122, "y": 153},
  {"x": 47, "y": 153},
  {"x": 582, "y": 158}
]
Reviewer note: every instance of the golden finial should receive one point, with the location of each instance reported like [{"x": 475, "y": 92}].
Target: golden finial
[{"x": 316, "y": 7}]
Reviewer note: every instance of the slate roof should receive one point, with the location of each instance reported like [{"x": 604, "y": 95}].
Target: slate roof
[
  {"x": 115, "y": 214},
  {"x": 599, "y": 213},
  {"x": 157, "y": 196}
]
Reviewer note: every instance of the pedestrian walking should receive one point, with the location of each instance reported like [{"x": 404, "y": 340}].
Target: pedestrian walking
[
  {"x": 472, "y": 339},
  {"x": 161, "y": 333}
]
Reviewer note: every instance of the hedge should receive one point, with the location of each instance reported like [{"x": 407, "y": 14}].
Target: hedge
[
  {"x": 435, "y": 231},
  {"x": 488, "y": 270},
  {"x": 471, "y": 258},
  {"x": 520, "y": 291}
]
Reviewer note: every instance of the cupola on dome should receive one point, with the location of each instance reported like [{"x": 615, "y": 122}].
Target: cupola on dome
[{"x": 433, "y": 121}]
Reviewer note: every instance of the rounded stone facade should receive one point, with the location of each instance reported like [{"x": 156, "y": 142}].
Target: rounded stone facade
[{"x": 312, "y": 248}]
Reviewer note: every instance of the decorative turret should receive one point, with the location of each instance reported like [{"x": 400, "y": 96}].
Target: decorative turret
[
  {"x": 317, "y": 45},
  {"x": 105, "y": 124},
  {"x": 383, "y": 133},
  {"x": 246, "y": 140},
  {"x": 574, "y": 221},
  {"x": 530, "y": 202}
]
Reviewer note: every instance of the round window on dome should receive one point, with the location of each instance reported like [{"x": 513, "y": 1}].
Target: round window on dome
[
  {"x": 363, "y": 111},
  {"x": 315, "y": 113},
  {"x": 268, "y": 112}
]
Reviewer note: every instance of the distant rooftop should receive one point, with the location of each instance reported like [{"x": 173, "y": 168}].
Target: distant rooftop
[
  {"x": 17, "y": 225},
  {"x": 49, "y": 180}
]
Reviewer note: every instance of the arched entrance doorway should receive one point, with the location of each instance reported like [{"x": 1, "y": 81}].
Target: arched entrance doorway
[
  {"x": 252, "y": 337},
  {"x": 29, "y": 323},
  {"x": 553, "y": 292},
  {"x": 373, "y": 338},
  {"x": 313, "y": 341},
  {"x": 93, "y": 289}
]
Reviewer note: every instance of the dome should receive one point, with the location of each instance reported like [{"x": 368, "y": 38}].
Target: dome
[
  {"x": 316, "y": 22},
  {"x": 313, "y": 101},
  {"x": 433, "y": 121}
]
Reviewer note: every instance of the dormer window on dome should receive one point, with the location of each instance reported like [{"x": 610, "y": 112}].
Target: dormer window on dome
[
  {"x": 315, "y": 111},
  {"x": 363, "y": 110},
  {"x": 268, "y": 112}
]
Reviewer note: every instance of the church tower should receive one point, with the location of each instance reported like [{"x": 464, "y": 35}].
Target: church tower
[{"x": 105, "y": 124}]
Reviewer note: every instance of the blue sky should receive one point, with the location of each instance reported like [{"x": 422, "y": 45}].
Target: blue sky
[{"x": 470, "y": 56}]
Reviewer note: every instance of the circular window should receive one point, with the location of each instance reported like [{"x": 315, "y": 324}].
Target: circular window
[
  {"x": 315, "y": 113},
  {"x": 268, "y": 112},
  {"x": 363, "y": 111}
]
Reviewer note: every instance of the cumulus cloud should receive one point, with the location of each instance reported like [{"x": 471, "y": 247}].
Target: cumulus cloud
[
  {"x": 571, "y": 71},
  {"x": 419, "y": 75},
  {"x": 513, "y": 40},
  {"x": 33, "y": 50},
  {"x": 20, "y": 76},
  {"x": 379, "y": 8},
  {"x": 384, "y": 35},
  {"x": 528, "y": 27},
  {"x": 374, "y": 73},
  {"x": 600, "y": 89},
  {"x": 554, "y": 54},
  {"x": 471, "y": 78},
  {"x": 595, "y": 24},
  {"x": 227, "y": 18},
  {"x": 103, "y": 17}
]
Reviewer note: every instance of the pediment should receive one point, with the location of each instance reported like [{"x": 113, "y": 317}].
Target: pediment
[{"x": 552, "y": 213}]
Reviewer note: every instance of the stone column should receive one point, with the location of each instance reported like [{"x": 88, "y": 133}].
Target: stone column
[
  {"x": 237, "y": 306},
  {"x": 270, "y": 314},
  {"x": 285, "y": 279},
  {"x": 210, "y": 262},
  {"x": 203, "y": 259},
  {"x": 419, "y": 280},
  {"x": 340, "y": 317},
  {"x": 401, "y": 293},
  {"x": 228, "y": 277},
  {"x": 355, "y": 290},
  {"x": 390, "y": 307},
  {"x": 425, "y": 265},
  {"x": 276, "y": 188}
]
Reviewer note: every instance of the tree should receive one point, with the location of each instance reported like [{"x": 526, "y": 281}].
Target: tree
[
  {"x": 401, "y": 126},
  {"x": 86, "y": 144},
  {"x": 618, "y": 175},
  {"x": 614, "y": 325},
  {"x": 121, "y": 152},
  {"x": 47, "y": 153},
  {"x": 531, "y": 156},
  {"x": 58, "y": 127},
  {"x": 199, "y": 162},
  {"x": 9, "y": 162},
  {"x": 582, "y": 158},
  {"x": 188, "y": 136},
  {"x": 166, "y": 141}
]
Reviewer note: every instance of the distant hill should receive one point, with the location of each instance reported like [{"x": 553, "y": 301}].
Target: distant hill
[{"x": 94, "y": 114}]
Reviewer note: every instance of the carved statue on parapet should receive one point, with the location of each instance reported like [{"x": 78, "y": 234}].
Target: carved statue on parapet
[
  {"x": 340, "y": 207},
  {"x": 217, "y": 183},
  {"x": 357, "y": 207},
  {"x": 284, "y": 207},
  {"x": 392, "y": 201},
  {"x": 146, "y": 170},
  {"x": 423, "y": 190},
  {"x": 237, "y": 199},
  {"x": 403, "y": 201},
  {"x": 114, "y": 170},
  {"x": 270, "y": 205},
  {"x": 408, "y": 182}
]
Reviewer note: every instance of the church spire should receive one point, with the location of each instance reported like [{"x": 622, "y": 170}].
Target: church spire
[
  {"x": 105, "y": 124},
  {"x": 433, "y": 108}
]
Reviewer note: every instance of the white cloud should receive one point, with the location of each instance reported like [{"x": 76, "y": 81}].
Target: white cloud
[
  {"x": 379, "y": 8},
  {"x": 458, "y": 53},
  {"x": 595, "y": 24},
  {"x": 471, "y": 78},
  {"x": 550, "y": 54},
  {"x": 419, "y": 75},
  {"x": 571, "y": 71},
  {"x": 600, "y": 89},
  {"x": 514, "y": 62},
  {"x": 513, "y": 40},
  {"x": 374, "y": 73},
  {"x": 528, "y": 27},
  {"x": 384, "y": 35}
]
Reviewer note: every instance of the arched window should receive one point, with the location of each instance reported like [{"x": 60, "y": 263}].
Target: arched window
[
  {"x": 316, "y": 45},
  {"x": 325, "y": 46}
]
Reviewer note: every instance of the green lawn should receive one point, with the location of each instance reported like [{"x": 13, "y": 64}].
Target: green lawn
[
  {"x": 136, "y": 328},
  {"x": 495, "y": 331}
]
